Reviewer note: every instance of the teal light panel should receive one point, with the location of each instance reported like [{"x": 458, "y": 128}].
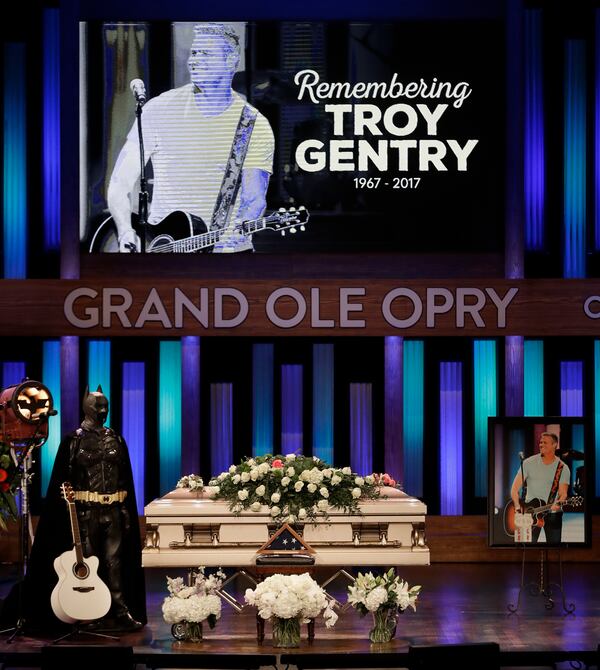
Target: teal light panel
[
  {"x": 413, "y": 395},
  {"x": 485, "y": 397},
  {"x": 99, "y": 368},
  {"x": 534, "y": 377},
  {"x": 262, "y": 399},
  {"x": 169, "y": 414}
]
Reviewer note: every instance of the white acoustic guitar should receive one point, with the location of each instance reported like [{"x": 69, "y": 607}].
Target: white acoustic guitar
[{"x": 80, "y": 594}]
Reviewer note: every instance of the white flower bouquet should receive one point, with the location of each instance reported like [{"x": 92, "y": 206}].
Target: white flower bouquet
[
  {"x": 194, "y": 603},
  {"x": 383, "y": 596},
  {"x": 191, "y": 482},
  {"x": 290, "y": 600}
]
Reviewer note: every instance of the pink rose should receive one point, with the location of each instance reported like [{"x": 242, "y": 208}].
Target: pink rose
[{"x": 277, "y": 463}]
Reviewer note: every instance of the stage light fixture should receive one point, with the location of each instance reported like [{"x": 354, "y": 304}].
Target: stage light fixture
[{"x": 24, "y": 412}]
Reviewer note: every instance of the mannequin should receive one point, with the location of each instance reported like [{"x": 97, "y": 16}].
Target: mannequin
[{"x": 96, "y": 461}]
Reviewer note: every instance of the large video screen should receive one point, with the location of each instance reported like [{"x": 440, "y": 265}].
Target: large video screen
[
  {"x": 538, "y": 488},
  {"x": 292, "y": 137}
]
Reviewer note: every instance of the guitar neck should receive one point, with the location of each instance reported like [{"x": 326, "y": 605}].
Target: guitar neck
[{"x": 75, "y": 531}]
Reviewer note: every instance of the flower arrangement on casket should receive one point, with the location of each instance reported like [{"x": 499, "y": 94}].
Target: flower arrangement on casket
[
  {"x": 291, "y": 597},
  {"x": 194, "y": 603},
  {"x": 372, "y": 592},
  {"x": 8, "y": 486},
  {"x": 295, "y": 488}
]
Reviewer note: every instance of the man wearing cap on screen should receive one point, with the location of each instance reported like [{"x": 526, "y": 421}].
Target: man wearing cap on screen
[{"x": 188, "y": 135}]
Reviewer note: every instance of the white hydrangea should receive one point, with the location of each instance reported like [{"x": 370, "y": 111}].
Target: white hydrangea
[
  {"x": 288, "y": 596},
  {"x": 377, "y": 597}
]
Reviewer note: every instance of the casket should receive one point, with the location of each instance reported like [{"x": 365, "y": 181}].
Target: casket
[{"x": 188, "y": 529}]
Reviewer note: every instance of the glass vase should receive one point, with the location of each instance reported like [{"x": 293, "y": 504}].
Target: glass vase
[
  {"x": 188, "y": 631},
  {"x": 384, "y": 625},
  {"x": 286, "y": 632}
]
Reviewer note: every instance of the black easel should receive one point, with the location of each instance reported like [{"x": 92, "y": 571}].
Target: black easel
[{"x": 543, "y": 587}]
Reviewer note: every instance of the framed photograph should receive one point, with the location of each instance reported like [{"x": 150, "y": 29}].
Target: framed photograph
[{"x": 538, "y": 490}]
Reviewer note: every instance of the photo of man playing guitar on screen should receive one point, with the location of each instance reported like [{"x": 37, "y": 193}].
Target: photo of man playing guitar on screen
[
  {"x": 211, "y": 153},
  {"x": 546, "y": 478}
]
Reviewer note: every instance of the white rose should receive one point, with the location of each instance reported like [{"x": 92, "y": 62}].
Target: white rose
[
  {"x": 356, "y": 493},
  {"x": 243, "y": 494},
  {"x": 346, "y": 471},
  {"x": 236, "y": 479},
  {"x": 312, "y": 487},
  {"x": 276, "y": 497},
  {"x": 370, "y": 479},
  {"x": 251, "y": 461},
  {"x": 275, "y": 511},
  {"x": 254, "y": 474},
  {"x": 232, "y": 469},
  {"x": 299, "y": 486},
  {"x": 260, "y": 490},
  {"x": 327, "y": 473},
  {"x": 255, "y": 506},
  {"x": 335, "y": 480},
  {"x": 304, "y": 475},
  {"x": 290, "y": 472},
  {"x": 322, "y": 505},
  {"x": 301, "y": 513},
  {"x": 245, "y": 477},
  {"x": 222, "y": 476},
  {"x": 212, "y": 490},
  {"x": 290, "y": 457},
  {"x": 359, "y": 481},
  {"x": 263, "y": 468},
  {"x": 316, "y": 460},
  {"x": 324, "y": 492},
  {"x": 285, "y": 481}
]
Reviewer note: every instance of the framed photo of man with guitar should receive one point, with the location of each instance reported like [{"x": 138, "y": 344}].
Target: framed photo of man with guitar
[{"x": 538, "y": 489}]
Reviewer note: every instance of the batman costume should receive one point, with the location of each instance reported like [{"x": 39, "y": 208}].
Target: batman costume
[{"x": 96, "y": 462}]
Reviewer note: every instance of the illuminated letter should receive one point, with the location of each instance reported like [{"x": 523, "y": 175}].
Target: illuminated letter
[
  {"x": 386, "y": 307},
  {"x": 300, "y": 307},
  {"x": 91, "y": 312}
]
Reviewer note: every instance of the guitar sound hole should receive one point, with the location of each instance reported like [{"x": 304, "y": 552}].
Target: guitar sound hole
[{"x": 81, "y": 570}]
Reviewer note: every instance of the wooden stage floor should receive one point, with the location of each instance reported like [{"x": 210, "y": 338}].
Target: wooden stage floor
[{"x": 460, "y": 603}]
